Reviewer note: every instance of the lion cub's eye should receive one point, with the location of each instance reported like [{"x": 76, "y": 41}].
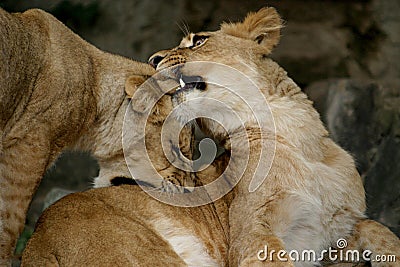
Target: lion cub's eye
[{"x": 198, "y": 40}]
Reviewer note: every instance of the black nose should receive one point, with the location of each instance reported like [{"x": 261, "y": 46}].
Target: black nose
[{"x": 155, "y": 60}]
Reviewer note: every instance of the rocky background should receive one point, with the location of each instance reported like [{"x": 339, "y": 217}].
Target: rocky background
[{"x": 345, "y": 54}]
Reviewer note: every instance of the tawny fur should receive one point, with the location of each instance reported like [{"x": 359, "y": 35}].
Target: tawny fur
[
  {"x": 313, "y": 194},
  {"x": 56, "y": 91},
  {"x": 115, "y": 165},
  {"x": 123, "y": 226}
]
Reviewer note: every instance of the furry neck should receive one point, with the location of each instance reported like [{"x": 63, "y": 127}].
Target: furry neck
[
  {"x": 296, "y": 122},
  {"x": 104, "y": 139}
]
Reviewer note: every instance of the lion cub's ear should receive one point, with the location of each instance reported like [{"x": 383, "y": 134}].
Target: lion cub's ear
[
  {"x": 262, "y": 27},
  {"x": 145, "y": 97},
  {"x": 132, "y": 84}
]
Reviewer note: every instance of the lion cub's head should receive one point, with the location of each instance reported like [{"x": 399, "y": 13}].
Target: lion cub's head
[
  {"x": 211, "y": 65},
  {"x": 247, "y": 41}
]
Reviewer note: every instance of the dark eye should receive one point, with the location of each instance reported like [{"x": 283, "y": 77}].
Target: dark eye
[{"x": 199, "y": 40}]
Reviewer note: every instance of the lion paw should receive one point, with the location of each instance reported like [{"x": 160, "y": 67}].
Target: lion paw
[{"x": 170, "y": 185}]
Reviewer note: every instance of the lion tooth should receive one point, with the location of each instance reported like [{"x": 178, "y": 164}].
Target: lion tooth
[{"x": 181, "y": 82}]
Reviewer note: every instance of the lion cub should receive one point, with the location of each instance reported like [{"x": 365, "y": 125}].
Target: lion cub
[
  {"x": 312, "y": 195},
  {"x": 56, "y": 91},
  {"x": 124, "y": 226}
]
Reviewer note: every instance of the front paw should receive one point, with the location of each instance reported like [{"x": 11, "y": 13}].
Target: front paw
[{"x": 170, "y": 185}]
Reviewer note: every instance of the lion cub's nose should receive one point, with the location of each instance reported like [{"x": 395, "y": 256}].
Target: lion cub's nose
[{"x": 155, "y": 59}]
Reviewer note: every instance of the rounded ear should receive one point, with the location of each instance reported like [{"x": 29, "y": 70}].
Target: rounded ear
[
  {"x": 144, "y": 98},
  {"x": 262, "y": 27},
  {"x": 132, "y": 84}
]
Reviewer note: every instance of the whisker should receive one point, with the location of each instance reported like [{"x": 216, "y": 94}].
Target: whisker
[
  {"x": 186, "y": 25},
  {"x": 183, "y": 27}
]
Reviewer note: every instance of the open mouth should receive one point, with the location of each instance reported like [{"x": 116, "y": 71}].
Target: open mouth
[{"x": 188, "y": 83}]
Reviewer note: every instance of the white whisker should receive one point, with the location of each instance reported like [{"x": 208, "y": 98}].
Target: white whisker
[{"x": 183, "y": 27}]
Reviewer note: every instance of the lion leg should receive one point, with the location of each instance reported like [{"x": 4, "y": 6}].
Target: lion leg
[
  {"x": 23, "y": 162},
  {"x": 253, "y": 241},
  {"x": 259, "y": 249},
  {"x": 377, "y": 238}
]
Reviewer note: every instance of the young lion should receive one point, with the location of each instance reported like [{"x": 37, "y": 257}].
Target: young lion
[
  {"x": 312, "y": 195},
  {"x": 56, "y": 91},
  {"x": 123, "y": 226}
]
